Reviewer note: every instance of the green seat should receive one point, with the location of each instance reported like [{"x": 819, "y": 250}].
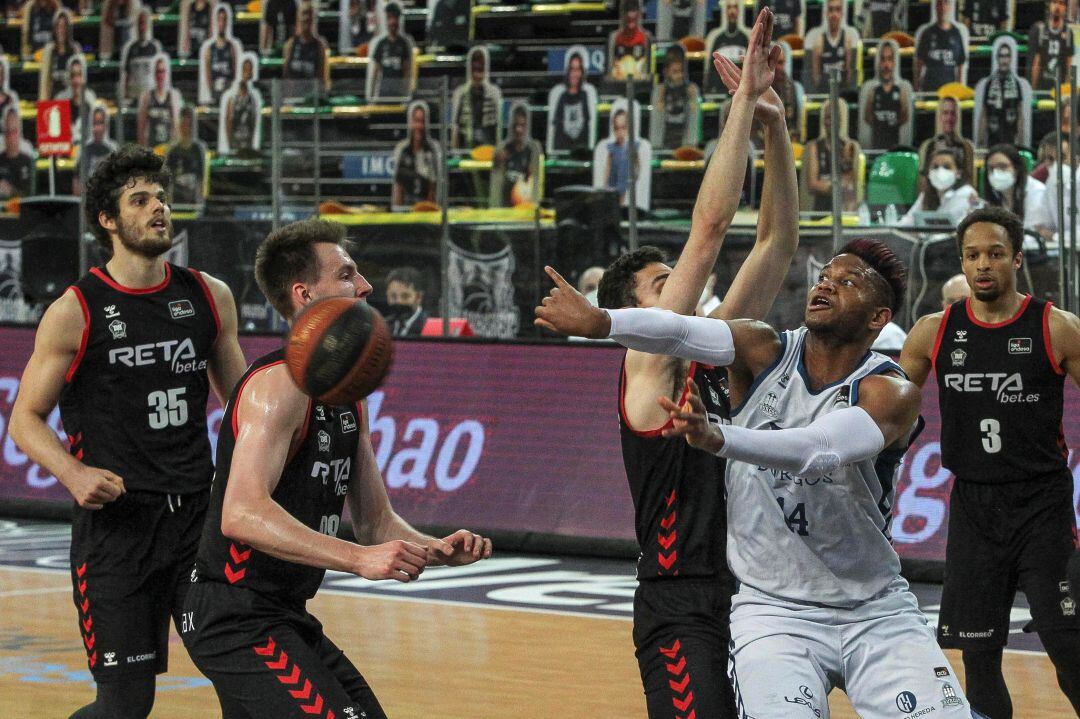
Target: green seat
[
  {"x": 894, "y": 179},
  {"x": 1029, "y": 158}
]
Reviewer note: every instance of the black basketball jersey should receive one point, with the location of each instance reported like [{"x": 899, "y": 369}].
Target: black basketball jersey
[
  {"x": 731, "y": 44},
  {"x": 40, "y": 31},
  {"x": 986, "y": 15},
  {"x": 416, "y": 172},
  {"x": 881, "y": 13},
  {"x": 187, "y": 166},
  {"x": 159, "y": 119},
  {"x": 312, "y": 489},
  {"x": 135, "y": 399},
  {"x": 941, "y": 52},
  {"x": 786, "y": 14},
  {"x": 1001, "y": 102},
  {"x": 682, "y": 18},
  {"x": 222, "y": 60},
  {"x": 1052, "y": 47},
  {"x": 676, "y": 109},
  {"x": 680, "y": 513},
  {"x": 245, "y": 115},
  {"x": 18, "y": 172},
  {"x": 58, "y": 72},
  {"x": 280, "y": 17},
  {"x": 199, "y": 25},
  {"x": 518, "y": 165},
  {"x": 572, "y": 121},
  {"x": 885, "y": 104},
  {"x": 832, "y": 56},
  {"x": 1001, "y": 395},
  {"x": 305, "y": 61}
]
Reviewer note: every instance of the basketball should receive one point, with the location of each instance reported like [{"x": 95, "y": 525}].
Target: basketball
[{"x": 339, "y": 350}]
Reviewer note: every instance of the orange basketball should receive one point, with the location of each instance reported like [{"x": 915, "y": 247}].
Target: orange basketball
[{"x": 339, "y": 350}]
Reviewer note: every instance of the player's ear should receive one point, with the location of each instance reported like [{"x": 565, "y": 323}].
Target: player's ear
[
  {"x": 300, "y": 295},
  {"x": 881, "y": 317},
  {"x": 109, "y": 223},
  {"x": 1018, "y": 260}
]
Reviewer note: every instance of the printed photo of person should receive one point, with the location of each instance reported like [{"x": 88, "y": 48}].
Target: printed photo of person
[
  {"x": 816, "y": 182},
  {"x": 358, "y": 23},
  {"x": 137, "y": 58},
  {"x": 789, "y": 16},
  {"x": 8, "y": 97},
  {"x": 449, "y": 24},
  {"x": 675, "y": 101},
  {"x": 390, "y": 74},
  {"x": 416, "y": 159},
  {"x": 572, "y": 107},
  {"x": 832, "y": 46},
  {"x": 240, "y": 126},
  {"x": 630, "y": 45},
  {"x": 53, "y": 75},
  {"x": 475, "y": 105},
  {"x": 940, "y": 49},
  {"x": 983, "y": 18},
  {"x": 612, "y": 157},
  {"x": 517, "y": 171},
  {"x": 17, "y": 171},
  {"x": 1003, "y": 100},
  {"x": 729, "y": 39},
  {"x": 159, "y": 108},
  {"x": 874, "y": 18},
  {"x": 186, "y": 160},
  {"x": 219, "y": 58},
  {"x": 196, "y": 26},
  {"x": 37, "y": 26},
  {"x": 677, "y": 19},
  {"x": 306, "y": 54},
  {"x": 118, "y": 20},
  {"x": 96, "y": 148},
  {"x": 277, "y": 24},
  {"x": 886, "y": 103},
  {"x": 1050, "y": 48}
]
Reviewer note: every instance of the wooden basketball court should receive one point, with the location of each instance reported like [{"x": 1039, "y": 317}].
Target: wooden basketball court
[{"x": 424, "y": 659}]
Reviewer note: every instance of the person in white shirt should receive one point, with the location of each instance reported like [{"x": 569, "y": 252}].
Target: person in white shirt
[
  {"x": 948, "y": 188},
  {"x": 1043, "y": 217},
  {"x": 1009, "y": 185}
]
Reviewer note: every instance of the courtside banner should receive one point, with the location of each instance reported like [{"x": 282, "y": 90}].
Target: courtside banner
[{"x": 517, "y": 438}]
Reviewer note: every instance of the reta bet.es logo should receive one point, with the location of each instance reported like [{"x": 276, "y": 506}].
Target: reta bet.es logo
[
  {"x": 1009, "y": 388},
  {"x": 179, "y": 354}
]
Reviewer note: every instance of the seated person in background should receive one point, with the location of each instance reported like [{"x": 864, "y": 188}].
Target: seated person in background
[
  {"x": 1049, "y": 48},
  {"x": 359, "y": 23},
  {"x": 159, "y": 108},
  {"x": 277, "y": 24},
  {"x": 572, "y": 108},
  {"x": 985, "y": 17},
  {"x": 674, "y": 118},
  {"x": 417, "y": 160},
  {"x": 96, "y": 149},
  {"x": 81, "y": 97},
  {"x": 117, "y": 26},
  {"x": 948, "y": 189},
  {"x": 8, "y": 97},
  {"x": 831, "y": 46},
  {"x": 475, "y": 105},
  {"x": 791, "y": 92},
  {"x": 240, "y": 128},
  {"x": 1003, "y": 101},
  {"x": 589, "y": 282},
  {"x": 219, "y": 58},
  {"x": 940, "y": 50},
  {"x": 787, "y": 16},
  {"x": 948, "y": 122},
  {"x": 405, "y": 302},
  {"x": 956, "y": 288},
  {"x": 390, "y": 65},
  {"x": 196, "y": 18},
  {"x": 1008, "y": 184},
  {"x": 730, "y": 40},
  {"x": 17, "y": 171},
  {"x": 817, "y": 167},
  {"x": 306, "y": 53},
  {"x": 137, "y": 59},
  {"x": 37, "y": 23},
  {"x": 885, "y": 103},
  {"x": 186, "y": 160},
  {"x": 877, "y": 17},
  {"x": 515, "y": 177},
  {"x": 1046, "y": 157},
  {"x": 630, "y": 45},
  {"x": 53, "y": 75}
]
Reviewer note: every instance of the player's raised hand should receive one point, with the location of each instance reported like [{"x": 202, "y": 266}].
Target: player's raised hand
[
  {"x": 93, "y": 487},
  {"x": 460, "y": 548},
  {"x": 566, "y": 311},
  {"x": 760, "y": 61},
  {"x": 768, "y": 108},
  {"x": 690, "y": 421},
  {"x": 400, "y": 560}
]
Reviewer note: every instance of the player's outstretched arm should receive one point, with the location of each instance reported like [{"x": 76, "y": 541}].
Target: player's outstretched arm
[
  {"x": 1065, "y": 342},
  {"x": 916, "y": 356},
  {"x": 375, "y": 521},
  {"x": 227, "y": 363},
  {"x": 56, "y": 345},
  {"x": 269, "y": 414}
]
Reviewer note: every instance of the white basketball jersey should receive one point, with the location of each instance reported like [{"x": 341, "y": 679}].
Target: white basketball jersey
[{"x": 821, "y": 541}]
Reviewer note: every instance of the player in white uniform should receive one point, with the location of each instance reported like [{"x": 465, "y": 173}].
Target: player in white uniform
[{"x": 821, "y": 603}]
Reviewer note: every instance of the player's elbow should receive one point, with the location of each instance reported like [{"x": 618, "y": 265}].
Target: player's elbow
[{"x": 236, "y": 521}]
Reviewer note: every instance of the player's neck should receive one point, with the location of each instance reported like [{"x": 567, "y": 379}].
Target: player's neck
[
  {"x": 828, "y": 358},
  {"x": 135, "y": 271},
  {"x": 1002, "y": 309}
]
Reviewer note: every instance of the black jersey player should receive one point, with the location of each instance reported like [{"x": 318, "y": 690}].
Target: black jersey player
[
  {"x": 683, "y": 598},
  {"x": 1000, "y": 359},
  {"x": 130, "y": 352},
  {"x": 287, "y": 466}
]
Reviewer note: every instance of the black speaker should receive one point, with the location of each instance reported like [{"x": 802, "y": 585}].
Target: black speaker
[
  {"x": 588, "y": 227},
  {"x": 50, "y": 246}
]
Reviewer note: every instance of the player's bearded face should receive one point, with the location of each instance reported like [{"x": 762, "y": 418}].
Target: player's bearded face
[{"x": 144, "y": 225}]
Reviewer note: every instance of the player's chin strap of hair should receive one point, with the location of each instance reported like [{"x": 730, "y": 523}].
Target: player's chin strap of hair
[
  {"x": 839, "y": 438},
  {"x": 663, "y": 332}
]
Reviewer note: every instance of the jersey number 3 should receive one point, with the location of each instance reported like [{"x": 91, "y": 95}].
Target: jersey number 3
[
  {"x": 991, "y": 435},
  {"x": 167, "y": 409}
]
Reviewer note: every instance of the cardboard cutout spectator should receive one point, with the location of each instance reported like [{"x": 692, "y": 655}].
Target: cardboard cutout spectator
[
  {"x": 37, "y": 26},
  {"x": 390, "y": 60},
  {"x": 730, "y": 40},
  {"x": 630, "y": 45},
  {"x": 137, "y": 58},
  {"x": 1009, "y": 185},
  {"x": 118, "y": 19},
  {"x": 81, "y": 97},
  {"x": 17, "y": 171},
  {"x": 572, "y": 107},
  {"x": 674, "y": 121},
  {"x": 219, "y": 58},
  {"x": 833, "y": 44},
  {"x": 159, "y": 108},
  {"x": 358, "y": 23},
  {"x": 417, "y": 159},
  {"x": 475, "y": 105},
  {"x": 789, "y": 16},
  {"x": 874, "y": 18},
  {"x": 886, "y": 103},
  {"x": 196, "y": 26},
  {"x": 941, "y": 53},
  {"x": 306, "y": 54},
  {"x": 948, "y": 123},
  {"x": 676, "y": 19},
  {"x": 791, "y": 92},
  {"x": 1050, "y": 48},
  {"x": 449, "y": 24},
  {"x": 817, "y": 166},
  {"x": 517, "y": 172},
  {"x": 277, "y": 24},
  {"x": 240, "y": 127},
  {"x": 186, "y": 160},
  {"x": 405, "y": 302},
  {"x": 1003, "y": 100},
  {"x": 97, "y": 147},
  {"x": 985, "y": 17},
  {"x": 53, "y": 75},
  {"x": 8, "y": 97},
  {"x": 612, "y": 157}
]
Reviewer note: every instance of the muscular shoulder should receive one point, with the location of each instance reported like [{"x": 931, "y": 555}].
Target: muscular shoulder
[
  {"x": 889, "y": 394},
  {"x": 62, "y": 325},
  {"x": 218, "y": 289},
  {"x": 921, "y": 338},
  {"x": 1064, "y": 331},
  {"x": 269, "y": 397}
]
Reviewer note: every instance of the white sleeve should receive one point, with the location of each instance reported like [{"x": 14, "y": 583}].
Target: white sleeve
[
  {"x": 839, "y": 438},
  {"x": 663, "y": 332}
]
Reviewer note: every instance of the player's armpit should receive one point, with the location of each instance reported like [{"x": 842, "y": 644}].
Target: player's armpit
[
  {"x": 227, "y": 363},
  {"x": 893, "y": 403},
  {"x": 916, "y": 356},
  {"x": 646, "y": 377}
]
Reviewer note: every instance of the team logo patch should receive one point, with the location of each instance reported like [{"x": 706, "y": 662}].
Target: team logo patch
[
  {"x": 110, "y": 312},
  {"x": 324, "y": 441},
  {"x": 941, "y": 671},
  {"x": 950, "y": 698},
  {"x": 906, "y": 702},
  {"x": 958, "y": 356},
  {"x": 768, "y": 405},
  {"x": 961, "y": 336},
  {"x": 1068, "y": 607},
  {"x": 180, "y": 309},
  {"x": 1019, "y": 345},
  {"x": 118, "y": 329},
  {"x": 348, "y": 422}
]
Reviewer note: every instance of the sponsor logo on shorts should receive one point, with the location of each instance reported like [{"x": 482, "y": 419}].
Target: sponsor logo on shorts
[
  {"x": 950, "y": 698},
  {"x": 141, "y": 658},
  {"x": 180, "y": 309},
  {"x": 804, "y": 700},
  {"x": 958, "y": 356},
  {"x": 1068, "y": 607},
  {"x": 941, "y": 671},
  {"x": 118, "y": 329},
  {"x": 110, "y": 659},
  {"x": 977, "y": 635},
  {"x": 906, "y": 702},
  {"x": 348, "y": 422},
  {"x": 1019, "y": 345}
]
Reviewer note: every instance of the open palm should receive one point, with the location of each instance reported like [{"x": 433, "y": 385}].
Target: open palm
[{"x": 758, "y": 72}]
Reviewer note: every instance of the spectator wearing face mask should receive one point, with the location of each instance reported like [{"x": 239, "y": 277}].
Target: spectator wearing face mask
[
  {"x": 948, "y": 188},
  {"x": 405, "y": 301},
  {"x": 1009, "y": 185}
]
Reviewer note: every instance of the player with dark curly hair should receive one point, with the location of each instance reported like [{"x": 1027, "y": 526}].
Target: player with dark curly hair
[{"x": 130, "y": 352}]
